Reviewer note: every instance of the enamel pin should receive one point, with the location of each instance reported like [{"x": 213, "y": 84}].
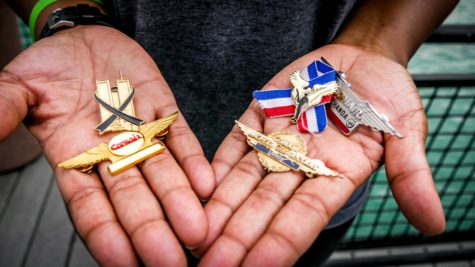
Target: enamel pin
[
  {"x": 284, "y": 151},
  {"x": 136, "y": 142},
  {"x": 319, "y": 84},
  {"x": 312, "y": 88}
]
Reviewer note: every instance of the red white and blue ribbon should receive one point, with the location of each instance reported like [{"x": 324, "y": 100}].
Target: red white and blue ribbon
[{"x": 278, "y": 102}]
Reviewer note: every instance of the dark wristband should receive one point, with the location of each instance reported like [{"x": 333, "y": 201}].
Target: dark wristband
[{"x": 72, "y": 16}]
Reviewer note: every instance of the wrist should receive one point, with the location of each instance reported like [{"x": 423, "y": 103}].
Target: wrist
[
  {"x": 374, "y": 45},
  {"x": 42, "y": 17},
  {"x": 375, "y": 40},
  {"x": 394, "y": 29}
]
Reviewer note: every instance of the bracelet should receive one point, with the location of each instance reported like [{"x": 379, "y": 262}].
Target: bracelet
[
  {"x": 72, "y": 16},
  {"x": 39, "y": 7}
]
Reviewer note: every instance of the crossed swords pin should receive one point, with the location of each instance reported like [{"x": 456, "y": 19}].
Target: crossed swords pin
[{"x": 136, "y": 143}]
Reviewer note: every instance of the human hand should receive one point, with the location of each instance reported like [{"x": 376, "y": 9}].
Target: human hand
[
  {"x": 136, "y": 212},
  {"x": 270, "y": 219}
]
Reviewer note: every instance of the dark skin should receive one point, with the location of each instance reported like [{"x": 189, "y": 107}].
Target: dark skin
[
  {"x": 249, "y": 220},
  {"x": 274, "y": 218},
  {"x": 257, "y": 225},
  {"x": 123, "y": 216}
]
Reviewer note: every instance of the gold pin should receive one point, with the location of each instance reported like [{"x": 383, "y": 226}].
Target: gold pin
[
  {"x": 305, "y": 97},
  {"x": 284, "y": 151},
  {"x": 134, "y": 145},
  {"x": 294, "y": 142}
]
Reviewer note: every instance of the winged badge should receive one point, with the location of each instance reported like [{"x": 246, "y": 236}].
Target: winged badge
[
  {"x": 125, "y": 149},
  {"x": 283, "y": 151},
  {"x": 348, "y": 111}
]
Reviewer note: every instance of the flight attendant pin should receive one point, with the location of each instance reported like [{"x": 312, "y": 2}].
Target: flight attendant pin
[
  {"x": 137, "y": 141},
  {"x": 284, "y": 151}
]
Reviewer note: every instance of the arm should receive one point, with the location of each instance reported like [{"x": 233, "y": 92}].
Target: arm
[
  {"x": 274, "y": 218},
  {"x": 394, "y": 29},
  {"x": 143, "y": 214},
  {"x": 24, "y": 7}
]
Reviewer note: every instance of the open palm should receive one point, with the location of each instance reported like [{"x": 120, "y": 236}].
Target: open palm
[
  {"x": 118, "y": 216},
  {"x": 270, "y": 219}
]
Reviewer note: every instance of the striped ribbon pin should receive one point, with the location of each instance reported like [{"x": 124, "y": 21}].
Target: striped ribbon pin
[{"x": 278, "y": 102}]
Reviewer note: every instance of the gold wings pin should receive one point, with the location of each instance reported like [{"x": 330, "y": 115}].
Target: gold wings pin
[{"x": 126, "y": 149}]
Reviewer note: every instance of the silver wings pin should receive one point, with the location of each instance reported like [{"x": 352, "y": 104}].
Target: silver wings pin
[{"x": 348, "y": 111}]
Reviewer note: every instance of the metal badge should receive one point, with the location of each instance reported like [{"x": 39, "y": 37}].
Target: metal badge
[
  {"x": 134, "y": 145},
  {"x": 305, "y": 96},
  {"x": 312, "y": 88},
  {"x": 284, "y": 151},
  {"x": 307, "y": 102},
  {"x": 348, "y": 111}
]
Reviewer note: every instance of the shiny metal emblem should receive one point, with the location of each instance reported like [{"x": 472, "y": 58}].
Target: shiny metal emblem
[
  {"x": 284, "y": 151},
  {"x": 134, "y": 145},
  {"x": 305, "y": 97},
  {"x": 116, "y": 106},
  {"x": 348, "y": 111}
]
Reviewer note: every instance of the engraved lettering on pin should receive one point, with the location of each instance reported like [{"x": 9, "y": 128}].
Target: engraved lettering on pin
[
  {"x": 348, "y": 111},
  {"x": 284, "y": 151}
]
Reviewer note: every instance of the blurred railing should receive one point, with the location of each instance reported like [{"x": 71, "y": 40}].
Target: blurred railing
[{"x": 453, "y": 34}]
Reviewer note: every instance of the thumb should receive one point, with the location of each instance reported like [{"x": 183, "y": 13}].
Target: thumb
[
  {"x": 14, "y": 102},
  {"x": 411, "y": 179}
]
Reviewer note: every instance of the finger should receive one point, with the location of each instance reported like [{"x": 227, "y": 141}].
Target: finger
[
  {"x": 183, "y": 208},
  {"x": 251, "y": 220},
  {"x": 95, "y": 219},
  {"x": 188, "y": 153},
  {"x": 233, "y": 190},
  {"x": 297, "y": 225},
  {"x": 14, "y": 101},
  {"x": 248, "y": 230},
  {"x": 411, "y": 179},
  {"x": 155, "y": 100},
  {"x": 234, "y": 147},
  {"x": 142, "y": 219},
  {"x": 180, "y": 139},
  {"x": 309, "y": 209}
]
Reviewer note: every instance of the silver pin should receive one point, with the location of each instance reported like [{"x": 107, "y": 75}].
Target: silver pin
[{"x": 348, "y": 111}]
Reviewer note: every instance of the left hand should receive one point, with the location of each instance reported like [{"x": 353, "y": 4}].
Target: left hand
[{"x": 271, "y": 219}]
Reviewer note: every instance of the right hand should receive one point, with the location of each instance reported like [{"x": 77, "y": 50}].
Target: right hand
[
  {"x": 271, "y": 219},
  {"x": 123, "y": 216}
]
